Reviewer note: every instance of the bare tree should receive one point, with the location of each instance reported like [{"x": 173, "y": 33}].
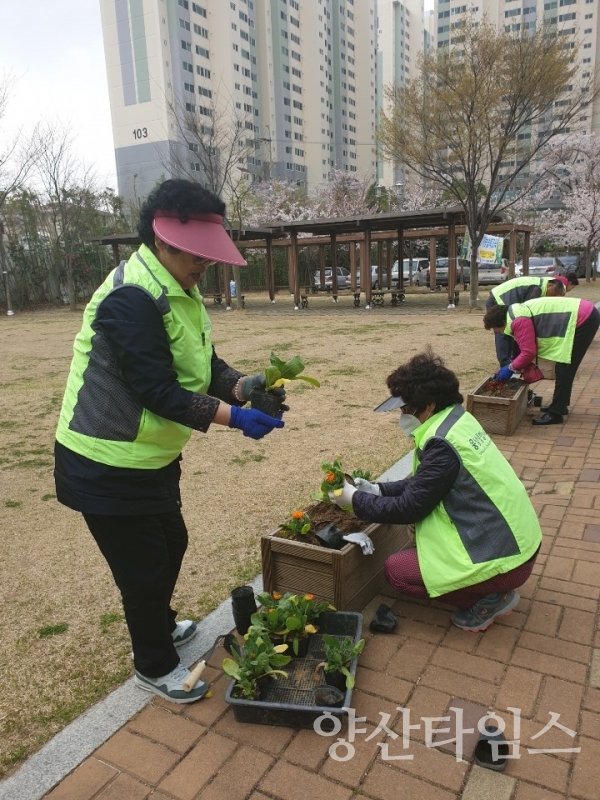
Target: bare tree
[
  {"x": 63, "y": 180},
  {"x": 17, "y": 157},
  {"x": 478, "y": 114}
]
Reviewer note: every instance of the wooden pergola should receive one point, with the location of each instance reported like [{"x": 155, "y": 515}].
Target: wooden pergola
[{"x": 363, "y": 231}]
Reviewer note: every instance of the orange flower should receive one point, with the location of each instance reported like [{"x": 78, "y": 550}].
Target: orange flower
[
  {"x": 297, "y": 514},
  {"x": 309, "y": 597},
  {"x": 271, "y": 611},
  {"x": 330, "y": 477},
  {"x": 276, "y": 596}
]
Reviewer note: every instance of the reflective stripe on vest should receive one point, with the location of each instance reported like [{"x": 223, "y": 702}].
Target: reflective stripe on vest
[
  {"x": 554, "y": 320},
  {"x": 518, "y": 290},
  {"x": 101, "y": 417},
  {"x": 485, "y": 525}
]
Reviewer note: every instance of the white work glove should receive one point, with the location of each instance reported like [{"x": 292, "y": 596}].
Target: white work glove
[
  {"x": 363, "y": 485},
  {"x": 361, "y": 539},
  {"x": 345, "y": 498}
]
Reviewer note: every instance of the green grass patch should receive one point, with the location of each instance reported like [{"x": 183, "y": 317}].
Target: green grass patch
[
  {"x": 346, "y": 371},
  {"x": 30, "y": 463},
  {"x": 48, "y": 497},
  {"x": 246, "y": 457},
  {"x": 53, "y": 630},
  {"x": 7, "y": 425},
  {"x": 13, "y": 503},
  {"x": 108, "y": 619}
]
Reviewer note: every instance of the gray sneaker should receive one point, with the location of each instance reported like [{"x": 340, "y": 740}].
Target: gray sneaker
[
  {"x": 170, "y": 686},
  {"x": 184, "y": 631},
  {"x": 481, "y": 615}
]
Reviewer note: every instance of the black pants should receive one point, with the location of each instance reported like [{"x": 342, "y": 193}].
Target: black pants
[
  {"x": 565, "y": 373},
  {"x": 506, "y": 347},
  {"x": 144, "y": 554}
]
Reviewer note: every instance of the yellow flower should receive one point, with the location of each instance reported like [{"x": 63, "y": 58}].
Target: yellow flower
[
  {"x": 271, "y": 611},
  {"x": 310, "y": 629},
  {"x": 280, "y": 648}
]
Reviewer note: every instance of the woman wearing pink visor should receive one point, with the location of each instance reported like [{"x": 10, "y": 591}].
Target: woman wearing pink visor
[{"x": 144, "y": 375}]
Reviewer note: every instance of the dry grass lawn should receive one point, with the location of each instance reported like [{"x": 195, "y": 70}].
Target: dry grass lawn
[{"x": 65, "y": 644}]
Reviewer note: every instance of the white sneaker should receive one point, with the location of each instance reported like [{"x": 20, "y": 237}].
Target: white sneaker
[
  {"x": 170, "y": 686},
  {"x": 185, "y": 630}
]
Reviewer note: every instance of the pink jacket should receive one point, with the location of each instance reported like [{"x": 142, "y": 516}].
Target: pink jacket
[{"x": 524, "y": 335}]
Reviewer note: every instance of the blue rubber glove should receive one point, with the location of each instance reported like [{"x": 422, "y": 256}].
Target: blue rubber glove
[
  {"x": 505, "y": 374},
  {"x": 253, "y": 423}
]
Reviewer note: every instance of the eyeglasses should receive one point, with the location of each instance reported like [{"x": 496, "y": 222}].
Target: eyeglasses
[{"x": 408, "y": 410}]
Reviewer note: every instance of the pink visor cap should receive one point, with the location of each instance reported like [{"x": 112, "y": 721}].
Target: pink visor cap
[
  {"x": 202, "y": 235},
  {"x": 561, "y": 279}
]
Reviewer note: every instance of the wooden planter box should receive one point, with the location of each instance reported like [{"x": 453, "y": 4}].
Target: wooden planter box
[
  {"x": 346, "y": 578},
  {"x": 498, "y": 414}
]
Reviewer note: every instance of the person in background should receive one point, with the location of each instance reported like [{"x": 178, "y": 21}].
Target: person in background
[
  {"x": 518, "y": 290},
  {"x": 557, "y": 329},
  {"x": 144, "y": 375},
  {"x": 477, "y": 534}
]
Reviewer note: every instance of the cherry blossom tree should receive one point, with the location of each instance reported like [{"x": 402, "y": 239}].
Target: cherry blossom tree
[
  {"x": 477, "y": 114},
  {"x": 571, "y": 170}
]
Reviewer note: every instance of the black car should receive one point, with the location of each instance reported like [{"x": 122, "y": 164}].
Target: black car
[{"x": 572, "y": 264}]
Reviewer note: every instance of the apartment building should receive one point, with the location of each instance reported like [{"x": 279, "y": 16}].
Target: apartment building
[
  {"x": 402, "y": 33},
  {"x": 576, "y": 20},
  {"x": 298, "y": 77}
]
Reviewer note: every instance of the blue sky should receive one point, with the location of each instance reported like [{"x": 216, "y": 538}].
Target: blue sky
[{"x": 54, "y": 50}]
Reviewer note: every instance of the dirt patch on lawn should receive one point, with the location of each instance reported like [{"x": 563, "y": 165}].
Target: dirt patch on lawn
[{"x": 65, "y": 644}]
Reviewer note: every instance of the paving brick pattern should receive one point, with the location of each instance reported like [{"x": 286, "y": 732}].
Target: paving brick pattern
[{"x": 540, "y": 662}]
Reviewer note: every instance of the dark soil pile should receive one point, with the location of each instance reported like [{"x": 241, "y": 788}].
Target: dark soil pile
[
  {"x": 495, "y": 388},
  {"x": 322, "y": 514}
]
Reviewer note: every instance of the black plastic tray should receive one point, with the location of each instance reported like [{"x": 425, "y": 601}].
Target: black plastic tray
[{"x": 289, "y": 701}]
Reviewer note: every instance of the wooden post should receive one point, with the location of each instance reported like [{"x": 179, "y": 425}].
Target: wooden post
[
  {"x": 451, "y": 260},
  {"x": 295, "y": 284},
  {"x": 389, "y": 261},
  {"x": 432, "y": 259},
  {"x": 365, "y": 266},
  {"x": 270, "y": 269},
  {"x": 115, "y": 251},
  {"x": 380, "y": 265},
  {"x": 334, "y": 281},
  {"x": 401, "y": 259},
  {"x": 322, "y": 265},
  {"x": 512, "y": 254},
  {"x": 526, "y": 246},
  {"x": 352, "y": 261}
]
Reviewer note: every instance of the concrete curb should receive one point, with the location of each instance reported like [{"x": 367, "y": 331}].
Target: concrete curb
[{"x": 62, "y": 754}]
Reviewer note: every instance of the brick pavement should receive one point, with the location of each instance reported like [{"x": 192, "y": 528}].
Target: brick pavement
[{"x": 543, "y": 658}]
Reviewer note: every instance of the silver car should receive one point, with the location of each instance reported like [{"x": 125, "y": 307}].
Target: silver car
[{"x": 541, "y": 266}]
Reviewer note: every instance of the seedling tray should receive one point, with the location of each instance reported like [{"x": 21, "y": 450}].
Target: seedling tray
[{"x": 289, "y": 702}]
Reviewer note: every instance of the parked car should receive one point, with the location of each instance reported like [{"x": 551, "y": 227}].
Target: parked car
[
  {"x": 441, "y": 273},
  {"x": 343, "y": 279},
  {"x": 407, "y": 273},
  {"x": 492, "y": 273},
  {"x": 541, "y": 266},
  {"x": 572, "y": 264}
]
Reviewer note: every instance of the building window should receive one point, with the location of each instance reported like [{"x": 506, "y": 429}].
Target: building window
[
  {"x": 199, "y": 10},
  {"x": 184, "y": 4},
  {"x": 202, "y": 51},
  {"x": 186, "y": 46},
  {"x": 184, "y": 24},
  {"x": 195, "y": 166}
]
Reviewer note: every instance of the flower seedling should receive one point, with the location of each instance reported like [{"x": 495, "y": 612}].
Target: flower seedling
[
  {"x": 334, "y": 479},
  {"x": 291, "y": 616},
  {"x": 298, "y": 522},
  {"x": 281, "y": 372},
  {"x": 339, "y": 654},
  {"x": 258, "y": 658}
]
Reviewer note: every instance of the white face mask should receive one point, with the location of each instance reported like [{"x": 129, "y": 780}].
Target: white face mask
[{"x": 409, "y": 423}]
